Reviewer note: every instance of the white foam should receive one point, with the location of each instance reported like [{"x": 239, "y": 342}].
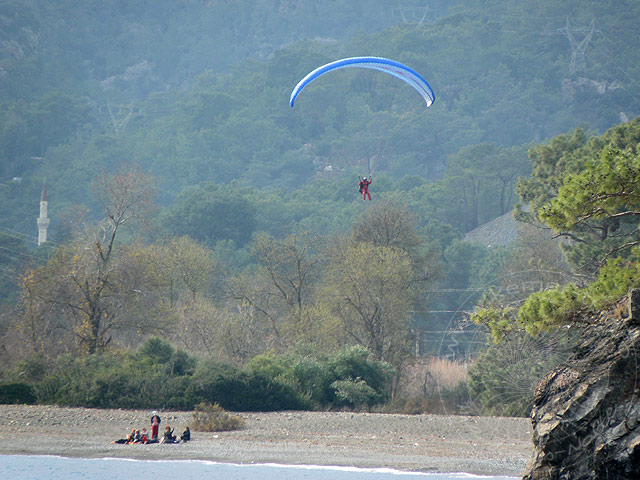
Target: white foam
[{"x": 387, "y": 471}]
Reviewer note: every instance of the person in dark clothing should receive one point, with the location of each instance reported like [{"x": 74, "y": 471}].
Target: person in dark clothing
[
  {"x": 128, "y": 439},
  {"x": 169, "y": 437},
  {"x": 186, "y": 435},
  {"x": 363, "y": 187}
]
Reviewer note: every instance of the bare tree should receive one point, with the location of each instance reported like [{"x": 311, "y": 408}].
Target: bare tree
[
  {"x": 370, "y": 290},
  {"x": 83, "y": 281},
  {"x": 281, "y": 290},
  {"x": 390, "y": 224}
]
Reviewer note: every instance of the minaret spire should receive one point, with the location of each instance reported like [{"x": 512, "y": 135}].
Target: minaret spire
[{"x": 43, "y": 219}]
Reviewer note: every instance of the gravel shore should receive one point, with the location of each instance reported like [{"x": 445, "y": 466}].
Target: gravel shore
[{"x": 425, "y": 443}]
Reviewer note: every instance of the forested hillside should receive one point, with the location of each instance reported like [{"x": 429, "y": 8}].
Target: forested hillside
[
  {"x": 185, "y": 103},
  {"x": 194, "y": 91}
]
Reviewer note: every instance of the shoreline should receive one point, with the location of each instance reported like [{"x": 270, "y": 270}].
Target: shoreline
[
  {"x": 418, "y": 443},
  {"x": 284, "y": 466}
]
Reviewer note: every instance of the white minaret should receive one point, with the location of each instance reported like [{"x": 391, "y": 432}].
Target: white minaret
[{"x": 43, "y": 220}]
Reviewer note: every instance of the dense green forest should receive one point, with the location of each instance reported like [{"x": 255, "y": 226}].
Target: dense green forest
[{"x": 188, "y": 201}]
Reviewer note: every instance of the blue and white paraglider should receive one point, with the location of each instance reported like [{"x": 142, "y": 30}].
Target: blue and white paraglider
[{"x": 391, "y": 67}]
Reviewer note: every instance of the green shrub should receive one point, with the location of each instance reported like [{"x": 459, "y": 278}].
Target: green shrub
[
  {"x": 117, "y": 381},
  {"x": 314, "y": 380},
  {"x": 181, "y": 363},
  {"x": 356, "y": 363},
  {"x": 241, "y": 390},
  {"x": 355, "y": 393},
  {"x": 158, "y": 375},
  {"x": 31, "y": 368},
  {"x": 267, "y": 364},
  {"x": 47, "y": 389},
  {"x": 174, "y": 396},
  {"x": 157, "y": 350},
  {"x": 350, "y": 377},
  {"x": 17, "y": 392},
  {"x": 213, "y": 418}
]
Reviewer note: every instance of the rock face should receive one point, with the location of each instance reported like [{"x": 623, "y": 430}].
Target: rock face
[{"x": 586, "y": 412}]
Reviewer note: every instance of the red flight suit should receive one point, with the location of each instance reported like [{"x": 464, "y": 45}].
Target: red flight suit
[{"x": 364, "y": 188}]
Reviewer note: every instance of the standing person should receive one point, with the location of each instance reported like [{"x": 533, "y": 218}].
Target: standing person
[
  {"x": 364, "y": 187},
  {"x": 155, "y": 425}
]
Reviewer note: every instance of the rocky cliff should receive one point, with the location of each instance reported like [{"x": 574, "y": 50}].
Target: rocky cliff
[{"x": 586, "y": 412}]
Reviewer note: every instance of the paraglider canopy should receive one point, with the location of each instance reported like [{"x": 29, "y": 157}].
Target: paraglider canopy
[{"x": 391, "y": 67}]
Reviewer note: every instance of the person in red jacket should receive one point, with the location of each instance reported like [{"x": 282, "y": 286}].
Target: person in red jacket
[
  {"x": 155, "y": 424},
  {"x": 364, "y": 187}
]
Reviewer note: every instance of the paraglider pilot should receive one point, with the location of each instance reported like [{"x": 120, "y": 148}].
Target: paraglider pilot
[{"x": 364, "y": 187}]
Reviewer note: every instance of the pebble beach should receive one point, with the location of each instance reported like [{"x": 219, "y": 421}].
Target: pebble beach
[{"x": 421, "y": 443}]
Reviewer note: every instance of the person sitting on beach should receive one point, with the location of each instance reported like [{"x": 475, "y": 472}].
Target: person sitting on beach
[
  {"x": 128, "y": 439},
  {"x": 144, "y": 437},
  {"x": 186, "y": 435},
  {"x": 169, "y": 437},
  {"x": 137, "y": 438}
]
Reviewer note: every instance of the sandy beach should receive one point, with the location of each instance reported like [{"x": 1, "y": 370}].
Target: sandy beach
[{"x": 425, "y": 443}]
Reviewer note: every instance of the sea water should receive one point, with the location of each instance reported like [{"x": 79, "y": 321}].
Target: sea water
[{"x": 41, "y": 467}]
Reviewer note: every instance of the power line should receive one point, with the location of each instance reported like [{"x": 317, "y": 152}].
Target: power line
[
  {"x": 9, "y": 256},
  {"x": 630, "y": 61},
  {"x": 7, "y": 268},
  {"x": 20, "y": 235},
  {"x": 440, "y": 311},
  {"x": 9, "y": 273},
  {"x": 475, "y": 332},
  {"x": 16, "y": 252},
  {"x": 455, "y": 290},
  {"x": 609, "y": 57},
  {"x": 13, "y": 278},
  {"x": 23, "y": 236}
]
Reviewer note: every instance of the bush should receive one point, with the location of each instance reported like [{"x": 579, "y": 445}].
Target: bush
[
  {"x": 11, "y": 393},
  {"x": 156, "y": 350},
  {"x": 314, "y": 380},
  {"x": 31, "y": 368},
  {"x": 349, "y": 378},
  {"x": 158, "y": 375},
  {"x": 266, "y": 364},
  {"x": 355, "y": 393},
  {"x": 115, "y": 381},
  {"x": 356, "y": 363},
  {"x": 213, "y": 418},
  {"x": 241, "y": 390}
]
